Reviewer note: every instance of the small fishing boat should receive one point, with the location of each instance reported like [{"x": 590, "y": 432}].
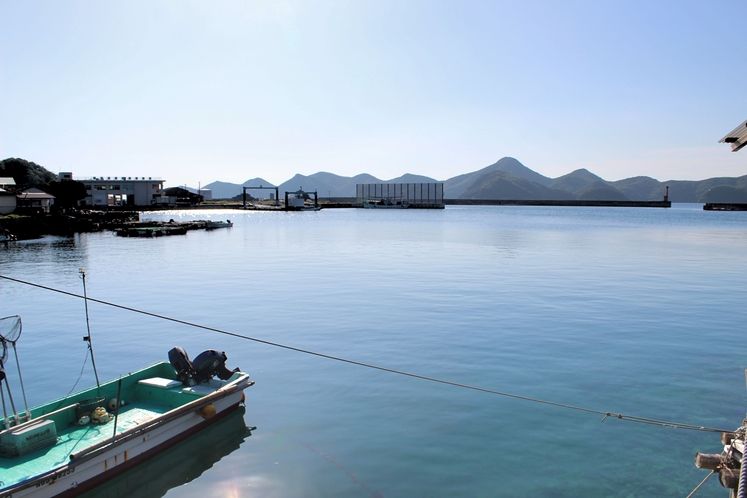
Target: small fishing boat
[
  {"x": 70, "y": 445},
  {"x": 211, "y": 225},
  {"x": 386, "y": 203}
]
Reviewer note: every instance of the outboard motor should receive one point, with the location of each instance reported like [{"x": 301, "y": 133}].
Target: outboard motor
[
  {"x": 207, "y": 365},
  {"x": 210, "y": 363},
  {"x": 185, "y": 371}
]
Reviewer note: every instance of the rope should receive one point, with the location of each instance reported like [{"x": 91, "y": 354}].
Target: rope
[
  {"x": 80, "y": 376},
  {"x": 701, "y": 484},
  {"x": 620, "y": 416}
]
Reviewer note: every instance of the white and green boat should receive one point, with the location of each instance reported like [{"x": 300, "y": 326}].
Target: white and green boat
[{"x": 71, "y": 445}]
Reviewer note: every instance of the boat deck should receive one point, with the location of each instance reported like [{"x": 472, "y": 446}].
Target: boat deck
[{"x": 72, "y": 439}]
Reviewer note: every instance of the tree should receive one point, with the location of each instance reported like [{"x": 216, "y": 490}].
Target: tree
[
  {"x": 25, "y": 173},
  {"x": 67, "y": 193}
]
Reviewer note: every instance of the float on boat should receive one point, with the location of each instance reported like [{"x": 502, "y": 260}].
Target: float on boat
[{"x": 72, "y": 444}]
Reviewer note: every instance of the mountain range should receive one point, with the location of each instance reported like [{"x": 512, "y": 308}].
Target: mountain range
[{"x": 508, "y": 179}]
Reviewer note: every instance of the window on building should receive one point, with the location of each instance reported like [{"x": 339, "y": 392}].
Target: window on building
[{"x": 99, "y": 187}]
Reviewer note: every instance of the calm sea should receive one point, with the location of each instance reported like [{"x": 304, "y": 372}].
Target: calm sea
[{"x": 639, "y": 311}]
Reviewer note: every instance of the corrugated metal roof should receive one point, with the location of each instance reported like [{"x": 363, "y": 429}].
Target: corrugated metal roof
[
  {"x": 737, "y": 137},
  {"x": 6, "y": 180}
]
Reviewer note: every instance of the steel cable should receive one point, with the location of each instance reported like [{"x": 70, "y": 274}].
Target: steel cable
[{"x": 619, "y": 416}]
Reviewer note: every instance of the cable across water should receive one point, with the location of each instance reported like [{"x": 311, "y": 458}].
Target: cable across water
[{"x": 605, "y": 414}]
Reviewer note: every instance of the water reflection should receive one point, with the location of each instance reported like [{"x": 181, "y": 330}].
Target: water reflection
[
  {"x": 47, "y": 250},
  {"x": 178, "y": 465}
]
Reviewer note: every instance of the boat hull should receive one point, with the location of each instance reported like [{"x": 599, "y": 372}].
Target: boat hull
[{"x": 74, "y": 479}]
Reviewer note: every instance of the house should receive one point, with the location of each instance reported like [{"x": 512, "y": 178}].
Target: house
[
  {"x": 7, "y": 201},
  {"x": 121, "y": 191},
  {"x": 34, "y": 199},
  {"x": 6, "y": 181}
]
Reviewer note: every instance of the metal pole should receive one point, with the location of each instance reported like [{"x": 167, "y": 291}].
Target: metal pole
[
  {"x": 23, "y": 390},
  {"x": 87, "y": 338},
  {"x": 12, "y": 403},
  {"x": 116, "y": 408},
  {"x": 5, "y": 410}
]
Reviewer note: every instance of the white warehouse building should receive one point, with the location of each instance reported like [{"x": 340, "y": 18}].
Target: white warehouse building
[{"x": 120, "y": 190}]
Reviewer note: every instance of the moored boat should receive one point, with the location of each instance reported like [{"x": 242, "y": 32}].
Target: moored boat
[
  {"x": 70, "y": 445},
  {"x": 210, "y": 224},
  {"x": 386, "y": 203}
]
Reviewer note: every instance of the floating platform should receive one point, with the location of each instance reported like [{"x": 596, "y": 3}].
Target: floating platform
[
  {"x": 722, "y": 206},
  {"x": 160, "y": 229}
]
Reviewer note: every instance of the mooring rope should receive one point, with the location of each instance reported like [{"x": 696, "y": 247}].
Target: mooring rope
[
  {"x": 605, "y": 414},
  {"x": 692, "y": 493}
]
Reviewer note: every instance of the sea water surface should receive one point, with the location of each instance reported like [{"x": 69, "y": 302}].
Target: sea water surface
[{"x": 638, "y": 311}]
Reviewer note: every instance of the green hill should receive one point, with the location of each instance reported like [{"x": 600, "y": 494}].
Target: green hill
[{"x": 25, "y": 173}]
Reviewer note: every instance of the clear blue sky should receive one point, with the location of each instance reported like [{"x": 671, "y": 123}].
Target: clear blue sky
[{"x": 196, "y": 91}]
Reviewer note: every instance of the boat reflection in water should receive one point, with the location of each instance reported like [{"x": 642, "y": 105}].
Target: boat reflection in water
[{"x": 180, "y": 464}]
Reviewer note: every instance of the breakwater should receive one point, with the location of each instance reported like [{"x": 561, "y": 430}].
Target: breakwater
[
  {"x": 350, "y": 202},
  {"x": 582, "y": 203},
  {"x": 721, "y": 206}
]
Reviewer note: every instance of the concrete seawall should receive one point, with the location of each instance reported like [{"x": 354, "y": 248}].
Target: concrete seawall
[{"x": 491, "y": 202}]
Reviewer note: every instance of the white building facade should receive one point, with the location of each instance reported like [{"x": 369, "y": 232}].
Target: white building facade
[{"x": 121, "y": 191}]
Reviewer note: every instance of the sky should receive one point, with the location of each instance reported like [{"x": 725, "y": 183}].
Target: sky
[{"x": 195, "y": 92}]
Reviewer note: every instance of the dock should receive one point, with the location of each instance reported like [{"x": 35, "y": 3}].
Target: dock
[
  {"x": 721, "y": 206},
  {"x": 350, "y": 202},
  {"x": 165, "y": 228}
]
